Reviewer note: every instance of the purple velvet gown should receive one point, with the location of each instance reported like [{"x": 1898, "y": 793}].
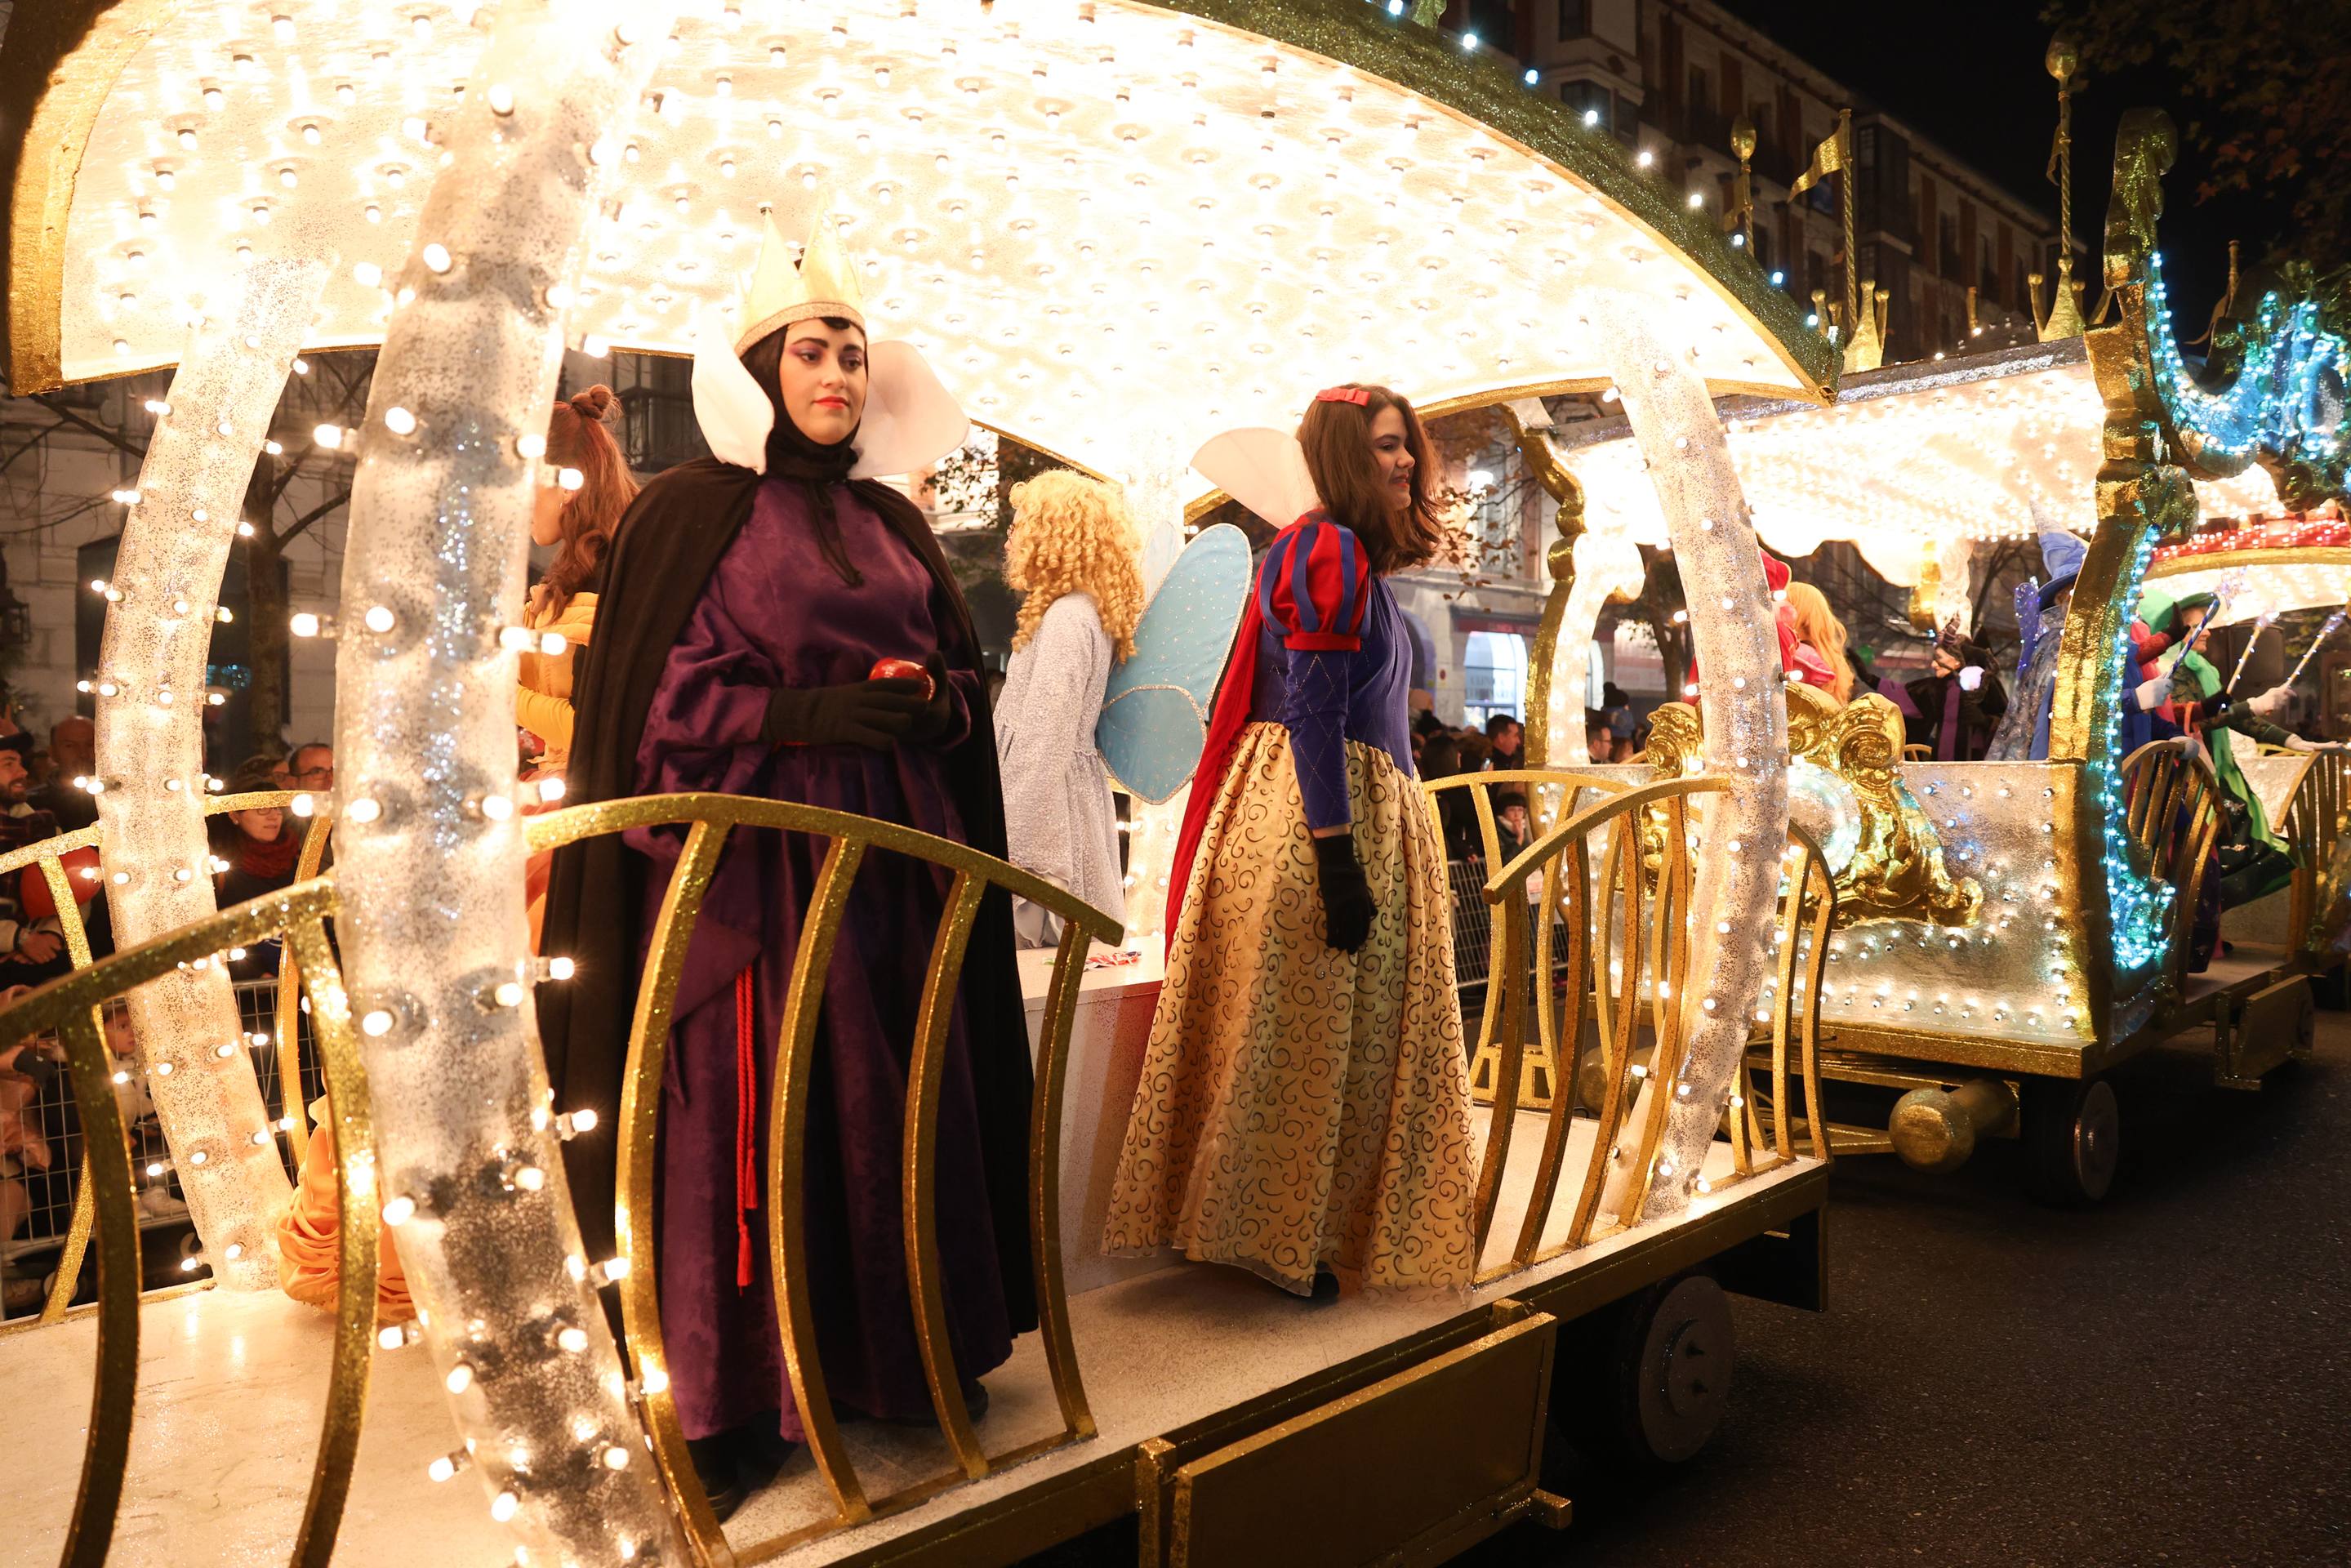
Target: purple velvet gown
[{"x": 774, "y": 612}]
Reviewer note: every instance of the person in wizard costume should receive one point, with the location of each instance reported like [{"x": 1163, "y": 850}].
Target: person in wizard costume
[
  {"x": 1303, "y": 1106},
  {"x": 749, "y": 598}
]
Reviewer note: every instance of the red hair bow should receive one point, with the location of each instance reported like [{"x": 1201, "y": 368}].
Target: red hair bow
[{"x": 1356, "y": 395}]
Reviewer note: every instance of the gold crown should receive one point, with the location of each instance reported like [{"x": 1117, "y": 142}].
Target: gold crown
[{"x": 822, "y": 283}]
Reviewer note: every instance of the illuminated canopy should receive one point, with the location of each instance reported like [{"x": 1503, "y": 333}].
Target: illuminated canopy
[
  {"x": 1906, "y": 459},
  {"x": 1093, "y": 215},
  {"x": 2263, "y": 567}
]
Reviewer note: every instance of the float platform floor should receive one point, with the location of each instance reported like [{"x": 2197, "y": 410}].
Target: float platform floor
[{"x": 232, "y": 1389}]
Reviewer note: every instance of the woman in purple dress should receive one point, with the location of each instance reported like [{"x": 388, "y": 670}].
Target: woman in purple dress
[{"x": 751, "y": 598}]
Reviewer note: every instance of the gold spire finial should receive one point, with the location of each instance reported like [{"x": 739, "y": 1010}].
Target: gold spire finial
[
  {"x": 1741, "y": 218},
  {"x": 2065, "y": 316},
  {"x": 822, "y": 283}
]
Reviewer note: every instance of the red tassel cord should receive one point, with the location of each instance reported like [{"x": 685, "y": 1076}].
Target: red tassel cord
[{"x": 746, "y": 1120}]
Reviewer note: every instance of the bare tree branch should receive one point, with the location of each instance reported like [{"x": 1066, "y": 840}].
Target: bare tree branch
[
  {"x": 294, "y": 530},
  {"x": 108, "y": 436},
  {"x": 10, "y": 460}
]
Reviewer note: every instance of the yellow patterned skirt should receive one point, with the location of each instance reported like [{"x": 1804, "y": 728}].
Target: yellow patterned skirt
[{"x": 1299, "y": 1106}]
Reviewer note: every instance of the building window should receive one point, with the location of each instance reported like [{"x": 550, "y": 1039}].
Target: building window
[
  {"x": 1575, "y": 19},
  {"x": 1629, "y": 121},
  {"x": 1494, "y": 676},
  {"x": 1584, "y": 98}
]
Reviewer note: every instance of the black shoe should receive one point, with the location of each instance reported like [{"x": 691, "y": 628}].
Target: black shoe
[
  {"x": 763, "y": 1451},
  {"x": 717, "y": 1466},
  {"x": 1326, "y": 1286}
]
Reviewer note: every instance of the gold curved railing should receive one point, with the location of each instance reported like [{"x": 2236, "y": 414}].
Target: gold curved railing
[
  {"x": 1557, "y": 789},
  {"x": 50, "y": 855},
  {"x": 2172, "y": 811},
  {"x": 709, "y": 819},
  {"x": 2315, "y": 824},
  {"x": 72, "y": 1007},
  {"x": 1763, "y": 1118},
  {"x": 1601, "y": 937}
]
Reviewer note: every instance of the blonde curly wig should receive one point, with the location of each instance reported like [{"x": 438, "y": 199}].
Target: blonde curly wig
[{"x": 1071, "y": 534}]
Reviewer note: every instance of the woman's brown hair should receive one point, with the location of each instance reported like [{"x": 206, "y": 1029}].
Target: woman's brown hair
[
  {"x": 1337, "y": 436},
  {"x": 579, "y": 436}
]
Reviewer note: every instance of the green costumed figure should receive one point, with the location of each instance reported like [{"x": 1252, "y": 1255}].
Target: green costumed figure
[{"x": 2183, "y": 687}]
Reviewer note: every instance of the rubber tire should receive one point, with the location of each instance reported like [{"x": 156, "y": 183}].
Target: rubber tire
[
  {"x": 2073, "y": 1129},
  {"x": 1664, "y": 1358}
]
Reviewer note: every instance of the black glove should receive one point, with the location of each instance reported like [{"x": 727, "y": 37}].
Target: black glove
[
  {"x": 938, "y": 715},
  {"x": 1346, "y": 896},
  {"x": 878, "y": 714}
]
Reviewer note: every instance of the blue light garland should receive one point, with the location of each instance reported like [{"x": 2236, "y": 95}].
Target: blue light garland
[
  {"x": 2273, "y": 404},
  {"x": 2140, "y": 906}
]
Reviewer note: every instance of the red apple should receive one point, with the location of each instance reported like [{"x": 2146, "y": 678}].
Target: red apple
[{"x": 903, "y": 670}]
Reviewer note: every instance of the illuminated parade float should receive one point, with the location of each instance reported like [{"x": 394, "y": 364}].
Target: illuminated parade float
[
  {"x": 1126, "y": 236},
  {"x": 1113, "y": 230},
  {"x": 2010, "y": 930}
]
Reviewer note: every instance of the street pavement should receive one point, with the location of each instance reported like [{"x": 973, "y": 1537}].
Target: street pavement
[{"x": 2161, "y": 1380}]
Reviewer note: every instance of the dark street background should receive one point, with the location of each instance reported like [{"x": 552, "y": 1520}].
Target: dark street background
[{"x": 2161, "y": 1380}]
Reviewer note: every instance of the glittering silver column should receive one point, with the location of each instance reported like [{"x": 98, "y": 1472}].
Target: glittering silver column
[
  {"x": 166, "y": 599},
  {"x": 437, "y": 951},
  {"x": 1744, "y": 713},
  {"x": 1601, "y": 571}
]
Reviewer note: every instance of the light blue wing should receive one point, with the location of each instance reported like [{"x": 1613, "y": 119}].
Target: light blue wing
[{"x": 1154, "y": 714}]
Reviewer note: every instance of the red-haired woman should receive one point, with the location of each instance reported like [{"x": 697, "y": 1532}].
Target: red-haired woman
[
  {"x": 579, "y": 524},
  {"x": 1304, "y": 1110}
]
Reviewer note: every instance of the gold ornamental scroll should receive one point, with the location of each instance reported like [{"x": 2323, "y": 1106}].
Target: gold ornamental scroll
[{"x": 1895, "y": 868}]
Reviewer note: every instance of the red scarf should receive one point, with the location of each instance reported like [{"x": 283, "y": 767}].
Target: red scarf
[{"x": 268, "y": 860}]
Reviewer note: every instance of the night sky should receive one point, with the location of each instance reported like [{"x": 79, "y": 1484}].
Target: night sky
[{"x": 1972, "y": 79}]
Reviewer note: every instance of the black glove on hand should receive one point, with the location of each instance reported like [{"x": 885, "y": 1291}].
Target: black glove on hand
[
  {"x": 938, "y": 715},
  {"x": 878, "y": 714},
  {"x": 1346, "y": 896}
]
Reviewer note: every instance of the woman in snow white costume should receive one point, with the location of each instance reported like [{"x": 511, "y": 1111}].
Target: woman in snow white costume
[
  {"x": 1304, "y": 1106},
  {"x": 749, "y": 599}
]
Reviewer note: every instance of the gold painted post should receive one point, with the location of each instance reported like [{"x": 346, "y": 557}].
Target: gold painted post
[
  {"x": 85, "y": 1209},
  {"x": 637, "y": 1139},
  {"x": 925, "y": 1072},
  {"x": 1619, "y": 1011},
  {"x": 358, "y": 1215},
  {"x": 1045, "y": 1182},
  {"x": 1542, "y": 460},
  {"x": 289, "y": 1043},
  {"x": 107, "y": 1450},
  {"x": 1566, "y": 1040},
  {"x": 787, "y": 1184}
]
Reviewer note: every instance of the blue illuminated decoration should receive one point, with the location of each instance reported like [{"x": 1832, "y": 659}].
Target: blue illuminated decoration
[
  {"x": 2286, "y": 401},
  {"x": 2140, "y": 906}
]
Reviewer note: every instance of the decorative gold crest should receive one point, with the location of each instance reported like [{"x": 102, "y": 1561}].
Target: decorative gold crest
[{"x": 1894, "y": 870}]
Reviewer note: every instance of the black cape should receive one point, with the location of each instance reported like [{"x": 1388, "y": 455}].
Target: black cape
[{"x": 663, "y": 551}]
